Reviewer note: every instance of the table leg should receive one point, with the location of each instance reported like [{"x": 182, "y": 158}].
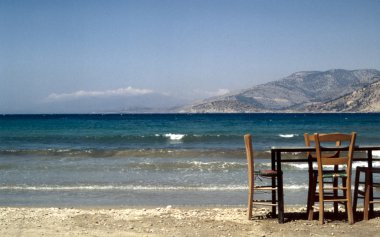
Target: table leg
[
  {"x": 371, "y": 181},
  {"x": 280, "y": 188},
  {"x": 273, "y": 167}
]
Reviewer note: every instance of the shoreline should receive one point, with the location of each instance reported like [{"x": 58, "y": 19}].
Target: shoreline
[{"x": 172, "y": 221}]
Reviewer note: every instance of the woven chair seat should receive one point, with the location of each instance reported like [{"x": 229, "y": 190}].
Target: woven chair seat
[
  {"x": 332, "y": 173},
  {"x": 336, "y": 174},
  {"x": 268, "y": 173}
]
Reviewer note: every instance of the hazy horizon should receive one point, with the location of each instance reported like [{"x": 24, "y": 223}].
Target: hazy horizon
[{"x": 105, "y": 56}]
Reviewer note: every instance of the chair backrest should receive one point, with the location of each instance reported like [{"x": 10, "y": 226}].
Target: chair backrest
[
  {"x": 309, "y": 138},
  {"x": 249, "y": 154},
  {"x": 347, "y": 141}
]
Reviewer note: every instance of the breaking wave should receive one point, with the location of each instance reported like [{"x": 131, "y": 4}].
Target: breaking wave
[
  {"x": 121, "y": 188},
  {"x": 137, "y": 188},
  {"x": 288, "y": 135}
]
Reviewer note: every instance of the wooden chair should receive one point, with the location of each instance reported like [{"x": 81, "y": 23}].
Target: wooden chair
[
  {"x": 367, "y": 191},
  {"x": 313, "y": 176},
  {"x": 325, "y": 161},
  {"x": 252, "y": 175}
]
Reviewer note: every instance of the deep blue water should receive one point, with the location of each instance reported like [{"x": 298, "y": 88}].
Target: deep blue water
[{"x": 153, "y": 159}]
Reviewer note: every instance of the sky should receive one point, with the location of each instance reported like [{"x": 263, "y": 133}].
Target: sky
[{"x": 97, "y": 56}]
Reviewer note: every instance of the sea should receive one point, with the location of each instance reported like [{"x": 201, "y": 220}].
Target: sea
[{"x": 121, "y": 160}]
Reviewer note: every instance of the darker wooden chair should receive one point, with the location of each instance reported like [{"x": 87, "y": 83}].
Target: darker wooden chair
[
  {"x": 366, "y": 192},
  {"x": 313, "y": 176},
  {"x": 261, "y": 174},
  {"x": 325, "y": 163}
]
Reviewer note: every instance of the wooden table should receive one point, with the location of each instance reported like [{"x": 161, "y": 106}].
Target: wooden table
[{"x": 276, "y": 161}]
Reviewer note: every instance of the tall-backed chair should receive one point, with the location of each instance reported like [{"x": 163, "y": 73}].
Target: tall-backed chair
[
  {"x": 252, "y": 187},
  {"x": 326, "y": 163},
  {"x": 313, "y": 175},
  {"x": 366, "y": 192}
]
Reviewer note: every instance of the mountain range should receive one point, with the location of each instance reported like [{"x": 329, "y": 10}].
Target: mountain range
[{"x": 335, "y": 90}]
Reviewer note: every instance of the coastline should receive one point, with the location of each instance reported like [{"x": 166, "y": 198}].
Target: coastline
[{"x": 172, "y": 221}]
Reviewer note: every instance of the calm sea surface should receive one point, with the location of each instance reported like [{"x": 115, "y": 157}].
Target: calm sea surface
[{"x": 154, "y": 159}]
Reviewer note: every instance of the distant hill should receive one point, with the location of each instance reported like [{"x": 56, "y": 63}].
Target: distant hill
[
  {"x": 308, "y": 91},
  {"x": 366, "y": 99}
]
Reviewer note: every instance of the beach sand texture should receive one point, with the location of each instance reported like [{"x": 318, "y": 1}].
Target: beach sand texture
[{"x": 170, "y": 221}]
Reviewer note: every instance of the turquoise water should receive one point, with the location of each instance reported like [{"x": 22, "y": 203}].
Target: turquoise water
[{"x": 153, "y": 159}]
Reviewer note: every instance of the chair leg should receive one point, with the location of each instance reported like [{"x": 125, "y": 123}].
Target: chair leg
[
  {"x": 274, "y": 192},
  {"x": 308, "y": 207},
  {"x": 310, "y": 191},
  {"x": 357, "y": 179},
  {"x": 349, "y": 211},
  {"x": 348, "y": 195},
  {"x": 321, "y": 212},
  {"x": 250, "y": 203},
  {"x": 371, "y": 210},
  {"x": 344, "y": 182},
  {"x": 321, "y": 202},
  {"x": 335, "y": 194},
  {"x": 366, "y": 196},
  {"x": 311, "y": 198},
  {"x": 335, "y": 184}
]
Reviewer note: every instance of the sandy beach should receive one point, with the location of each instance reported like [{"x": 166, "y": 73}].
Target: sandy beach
[{"x": 171, "y": 221}]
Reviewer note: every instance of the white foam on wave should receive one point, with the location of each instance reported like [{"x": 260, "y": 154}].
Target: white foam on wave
[
  {"x": 295, "y": 187},
  {"x": 288, "y": 135},
  {"x": 360, "y": 163},
  {"x": 174, "y": 137},
  {"x": 365, "y": 164},
  {"x": 376, "y": 153},
  {"x": 223, "y": 166},
  {"x": 376, "y": 164},
  {"x": 301, "y": 166},
  {"x": 305, "y": 166},
  {"x": 60, "y": 150},
  {"x": 122, "y": 188},
  {"x": 140, "y": 188}
]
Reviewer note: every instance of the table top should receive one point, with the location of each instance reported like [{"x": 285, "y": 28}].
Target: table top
[
  {"x": 285, "y": 149},
  {"x": 305, "y": 148}
]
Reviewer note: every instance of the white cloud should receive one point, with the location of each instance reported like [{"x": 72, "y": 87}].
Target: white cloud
[
  {"x": 217, "y": 92},
  {"x": 129, "y": 91},
  {"x": 221, "y": 92}
]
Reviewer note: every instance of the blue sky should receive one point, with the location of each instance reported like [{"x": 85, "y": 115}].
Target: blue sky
[{"x": 84, "y": 56}]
